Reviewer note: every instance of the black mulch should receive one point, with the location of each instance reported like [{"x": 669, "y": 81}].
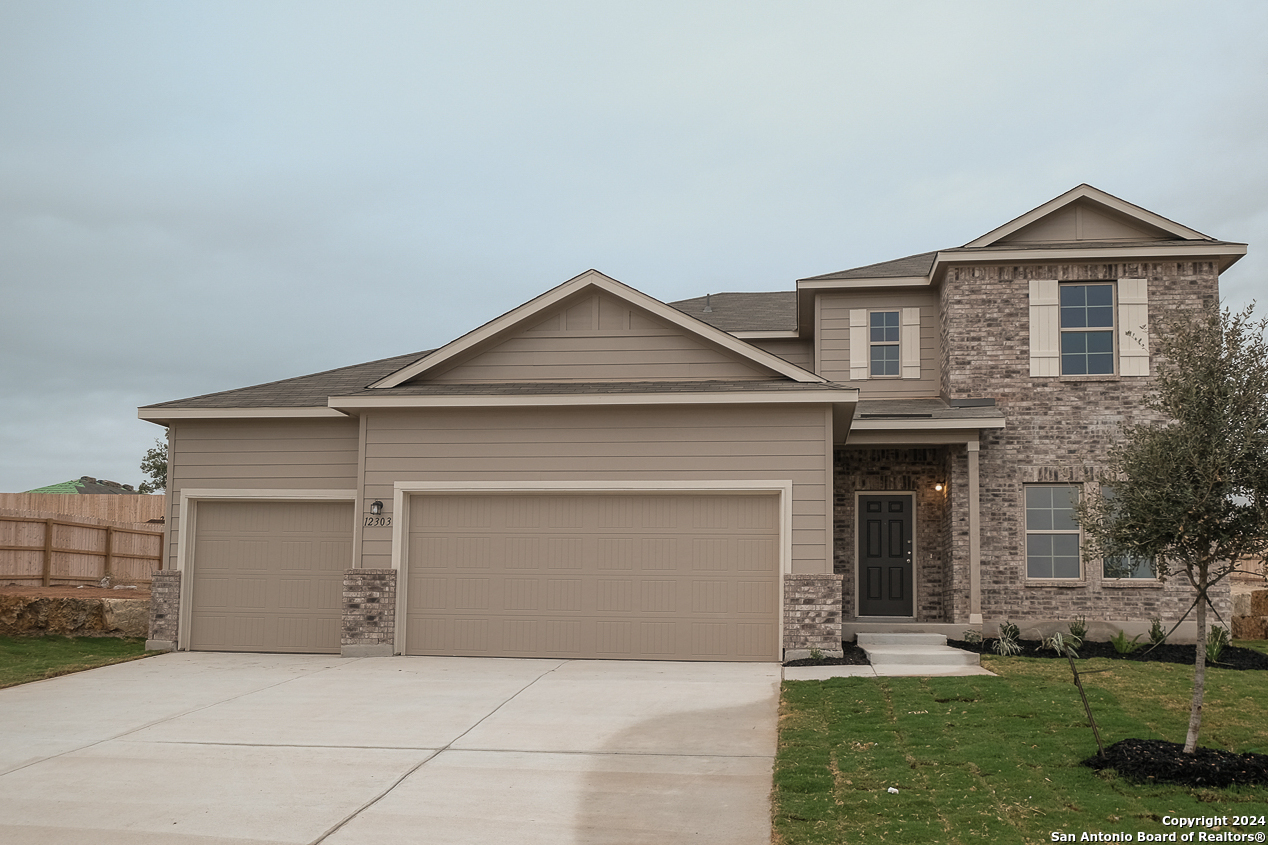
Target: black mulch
[
  {"x": 853, "y": 656},
  {"x": 1233, "y": 657},
  {"x": 1155, "y": 761}
]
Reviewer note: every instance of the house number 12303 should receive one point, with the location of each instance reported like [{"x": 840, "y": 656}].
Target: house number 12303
[{"x": 378, "y": 522}]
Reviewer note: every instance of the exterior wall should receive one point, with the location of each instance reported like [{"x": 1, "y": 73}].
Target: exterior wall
[
  {"x": 832, "y": 337},
  {"x": 303, "y": 454},
  {"x": 1059, "y": 429},
  {"x": 799, "y": 352},
  {"x": 812, "y": 615},
  {"x": 883, "y": 470},
  {"x": 667, "y": 443},
  {"x": 369, "y": 612},
  {"x": 165, "y": 603},
  {"x": 599, "y": 339}
]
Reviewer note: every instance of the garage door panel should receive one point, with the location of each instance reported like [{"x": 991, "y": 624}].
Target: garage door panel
[
  {"x": 632, "y": 576},
  {"x": 268, "y": 576}
]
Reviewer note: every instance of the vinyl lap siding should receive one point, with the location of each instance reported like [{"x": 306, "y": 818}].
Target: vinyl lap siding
[
  {"x": 799, "y": 352},
  {"x": 260, "y": 454},
  {"x": 605, "y": 444},
  {"x": 833, "y": 338}
]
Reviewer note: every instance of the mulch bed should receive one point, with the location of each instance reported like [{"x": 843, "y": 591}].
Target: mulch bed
[
  {"x": 1233, "y": 657},
  {"x": 1155, "y": 761},
  {"x": 853, "y": 656}
]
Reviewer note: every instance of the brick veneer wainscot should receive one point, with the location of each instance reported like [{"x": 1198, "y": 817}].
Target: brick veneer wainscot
[
  {"x": 165, "y": 602},
  {"x": 812, "y": 614},
  {"x": 369, "y": 607}
]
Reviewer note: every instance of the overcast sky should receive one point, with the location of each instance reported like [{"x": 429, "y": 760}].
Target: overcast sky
[{"x": 200, "y": 196}]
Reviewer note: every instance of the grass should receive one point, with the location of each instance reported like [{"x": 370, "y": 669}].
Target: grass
[
  {"x": 26, "y": 659},
  {"x": 982, "y": 759}
]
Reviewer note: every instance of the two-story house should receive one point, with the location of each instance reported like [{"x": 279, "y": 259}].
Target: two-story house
[{"x": 599, "y": 474}]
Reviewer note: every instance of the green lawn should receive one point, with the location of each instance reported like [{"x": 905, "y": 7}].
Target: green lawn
[
  {"x": 24, "y": 659},
  {"x": 984, "y": 759}
]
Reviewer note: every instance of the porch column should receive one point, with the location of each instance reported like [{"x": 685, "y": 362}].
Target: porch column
[{"x": 975, "y": 538}]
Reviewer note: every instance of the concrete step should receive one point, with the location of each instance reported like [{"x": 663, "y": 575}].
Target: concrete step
[
  {"x": 921, "y": 655},
  {"x": 865, "y": 640}
]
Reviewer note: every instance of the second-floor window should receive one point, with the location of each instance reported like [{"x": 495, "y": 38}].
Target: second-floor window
[
  {"x": 1087, "y": 330},
  {"x": 884, "y": 334}
]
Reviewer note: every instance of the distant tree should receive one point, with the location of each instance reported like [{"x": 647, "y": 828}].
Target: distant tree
[
  {"x": 154, "y": 465},
  {"x": 1190, "y": 493}
]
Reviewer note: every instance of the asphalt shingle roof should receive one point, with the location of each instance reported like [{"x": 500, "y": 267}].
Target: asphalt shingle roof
[{"x": 771, "y": 311}]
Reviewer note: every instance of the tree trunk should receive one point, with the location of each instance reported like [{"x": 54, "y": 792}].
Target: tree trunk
[{"x": 1199, "y": 668}]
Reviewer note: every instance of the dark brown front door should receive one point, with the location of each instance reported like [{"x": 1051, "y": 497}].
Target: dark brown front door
[{"x": 885, "y": 556}]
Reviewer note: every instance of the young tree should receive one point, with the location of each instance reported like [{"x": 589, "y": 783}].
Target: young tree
[
  {"x": 1190, "y": 493},
  {"x": 154, "y": 465}
]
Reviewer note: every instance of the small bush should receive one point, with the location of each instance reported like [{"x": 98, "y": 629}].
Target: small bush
[
  {"x": 972, "y": 636},
  {"x": 1078, "y": 629},
  {"x": 1063, "y": 645},
  {"x": 1157, "y": 635},
  {"x": 1216, "y": 641},
  {"x": 1123, "y": 645},
  {"x": 816, "y": 654},
  {"x": 1007, "y": 645}
]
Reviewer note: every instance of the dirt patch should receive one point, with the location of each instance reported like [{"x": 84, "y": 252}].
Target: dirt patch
[{"x": 68, "y": 592}]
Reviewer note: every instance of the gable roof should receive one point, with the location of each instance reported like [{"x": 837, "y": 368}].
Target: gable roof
[
  {"x": 769, "y": 311},
  {"x": 524, "y": 315},
  {"x": 87, "y": 485}
]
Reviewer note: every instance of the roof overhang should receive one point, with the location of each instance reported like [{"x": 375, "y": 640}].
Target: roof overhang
[
  {"x": 1225, "y": 253},
  {"x": 352, "y": 404},
  {"x": 163, "y": 416}
]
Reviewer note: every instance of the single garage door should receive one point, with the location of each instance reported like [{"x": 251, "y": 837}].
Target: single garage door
[
  {"x": 648, "y": 577},
  {"x": 268, "y": 576}
]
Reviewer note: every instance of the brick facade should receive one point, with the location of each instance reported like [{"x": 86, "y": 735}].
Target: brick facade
[
  {"x": 369, "y": 612},
  {"x": 165, "y": 603},
  {"x": 812, "y": 615},
  {"x": 1059, "y": 430}
]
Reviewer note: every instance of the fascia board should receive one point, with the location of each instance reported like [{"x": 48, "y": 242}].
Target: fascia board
[
  {"x": 1097, "y": 195},
  {"x": 162, "y": 415},
  {"x": 593, "y": 278},
  {"x": 1113, "y": 253},
  {"x": 921, "y": 424},
  {"x": 876, "y": 282},
  {"x": 789, "y": 334},
  {"x": 833, "y": 397},
  {"x": 911, "y": 438}
]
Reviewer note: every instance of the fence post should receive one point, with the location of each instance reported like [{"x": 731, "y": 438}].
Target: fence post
[
  {"x": 106, "y": 568},
  {"x": 48, "y": 552}
]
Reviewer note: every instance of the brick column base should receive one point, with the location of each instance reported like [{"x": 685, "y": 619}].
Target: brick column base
[
  {"x": 812, "y": 615},
  {"x": 369, "y": 613},
  {"x": 165, "y": 610}
]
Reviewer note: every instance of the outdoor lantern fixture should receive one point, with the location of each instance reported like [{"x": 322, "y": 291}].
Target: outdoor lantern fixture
[
  {"x": 939, "y": 487},
  {"x": 376, "y": 508}
]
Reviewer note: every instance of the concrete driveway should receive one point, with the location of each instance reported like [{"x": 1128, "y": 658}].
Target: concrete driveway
[{"x": 208, "y": 748}]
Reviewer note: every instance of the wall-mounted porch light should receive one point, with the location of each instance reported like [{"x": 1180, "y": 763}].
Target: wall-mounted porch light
[
  {"x": 376, "y": 508},
  {"x": 939, "y": 487}
]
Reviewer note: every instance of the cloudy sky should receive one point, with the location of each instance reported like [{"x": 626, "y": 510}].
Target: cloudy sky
[{"x": 198, "y": 196}]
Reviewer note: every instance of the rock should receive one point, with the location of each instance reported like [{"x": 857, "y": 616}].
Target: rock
[
  {"x": 1241, "y": 604},
  {"x": 1250, "y": 627},
  {"x": 126, "y": 617},
  {"x": 1258, "y": 603},
  {"x": 73, "y": 617}
]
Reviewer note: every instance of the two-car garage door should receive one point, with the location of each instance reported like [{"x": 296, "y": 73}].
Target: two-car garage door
[
  {"x": 637, "y": 576},
  {"x": 652, "y": 577}
]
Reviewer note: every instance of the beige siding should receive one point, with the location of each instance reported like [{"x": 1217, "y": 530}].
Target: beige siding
[
  {"x": 834, "y": 334},
  {"x": 599, "y": 339},
  {"x": 675, "y": 443},
  {"x": 799, "y": 352},
  {"x": 259, "y": 454}
]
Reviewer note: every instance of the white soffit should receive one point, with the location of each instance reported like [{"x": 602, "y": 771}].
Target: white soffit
[
  {"x": 164, "y": 414},
  {"x": 1086, "y": 191},
  {"x": 595, "y": 279}
]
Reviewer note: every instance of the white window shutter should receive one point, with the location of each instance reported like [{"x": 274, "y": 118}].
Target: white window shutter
[
  {"x": 910, "y": 343},
  {"x": 1133, "y": 318},
  {"x": 860, "y": 364},
  {"x": 1045, "y": 327}
]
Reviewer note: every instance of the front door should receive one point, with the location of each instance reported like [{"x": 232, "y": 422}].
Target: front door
[{"x": 885, "y": 556}]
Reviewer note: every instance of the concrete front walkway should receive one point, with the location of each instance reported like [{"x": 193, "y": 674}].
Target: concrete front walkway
[{"x": 211, "y": 748}]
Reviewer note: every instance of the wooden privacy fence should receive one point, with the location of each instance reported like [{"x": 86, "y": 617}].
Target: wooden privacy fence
[
  {"x": 120, "y": 508},
  {"x": 45, "y": 552}
]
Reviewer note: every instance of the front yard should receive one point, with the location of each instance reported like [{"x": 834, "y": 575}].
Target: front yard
[
  {"x": 24, "y": 659},
  {"x": 983, "y": 759}
]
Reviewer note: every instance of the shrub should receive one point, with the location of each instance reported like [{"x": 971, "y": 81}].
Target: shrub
[
  {"x": 1078, "y": 629},
  {"x": 1157, "y": 635},
  {"x": 1007, "y": 645},
  {"x": 972, "y": 636},
  {"x": 1123, "y": 645},
  {"x": 1216, "y": 641},
  {"x": 1063, "y": 645}
]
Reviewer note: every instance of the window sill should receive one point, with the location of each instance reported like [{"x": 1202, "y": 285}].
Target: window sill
[
  {"x": 1089, "y": 378},
  {"x": 1065, "y": 583},
  {"x": 1132, "y": 584}
]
